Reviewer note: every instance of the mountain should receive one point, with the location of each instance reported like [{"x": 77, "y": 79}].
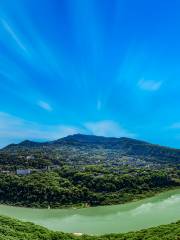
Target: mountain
[
  {"x": 77, "y": 139},
  {"x": 92, "y": 146},
  {"x": 92, "y": 139},
  {"x": 82, "y": 139},
  {"x": 81, "y": 169}
]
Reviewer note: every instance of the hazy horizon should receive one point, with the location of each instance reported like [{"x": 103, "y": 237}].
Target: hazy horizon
[{"x": 49, "y": 140}]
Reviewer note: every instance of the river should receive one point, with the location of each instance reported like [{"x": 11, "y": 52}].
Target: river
[{"x": 161, "y": 209}]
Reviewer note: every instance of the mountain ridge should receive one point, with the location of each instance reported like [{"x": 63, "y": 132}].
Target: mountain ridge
[
  {"x": 70, "y": 138},
  {"x": 92, "y": 146},
  {"x": 85, "y": 138}
]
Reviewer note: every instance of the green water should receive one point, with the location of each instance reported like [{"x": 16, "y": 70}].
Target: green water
[{"x": 162, "y": 209}]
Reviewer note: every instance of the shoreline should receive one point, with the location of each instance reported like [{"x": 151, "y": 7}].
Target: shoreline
[
  {"x": 153, "y": 231},
  {"x": 43, "y": 217},
  {"x": 85, "y": 205}
]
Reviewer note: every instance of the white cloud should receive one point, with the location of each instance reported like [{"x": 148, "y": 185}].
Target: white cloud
[
  {"x": 13, "y": 35},
  {"x": 175, "y": 125},
  {"x": 149, "y": 85},
  {"x": 14, "y": 129},
  {"x": 107, "y": 128},
  {"x": 44, "y": 105}
]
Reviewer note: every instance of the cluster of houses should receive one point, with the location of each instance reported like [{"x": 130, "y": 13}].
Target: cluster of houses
[
  {"x": 23, "y": 171},
  {"x": 26, "y": 171},
  {"x": 29, "y": 171}
]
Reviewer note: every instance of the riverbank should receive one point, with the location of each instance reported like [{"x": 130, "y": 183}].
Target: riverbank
[
  {"x": 163, "y": 208},
  {"x": 11, "y": 229},
  {"x": 127, "y": 198},
  {"x": 60, "y": 189}
]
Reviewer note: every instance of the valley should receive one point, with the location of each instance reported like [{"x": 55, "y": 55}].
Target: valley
[
  {"x": 90, "y": 184},
  {"x": 83, "y": 170}
]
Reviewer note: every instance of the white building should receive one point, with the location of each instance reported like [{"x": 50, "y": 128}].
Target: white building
[
  {"x": 30, "y": 157},
  {"x": 23, "y": 171}
]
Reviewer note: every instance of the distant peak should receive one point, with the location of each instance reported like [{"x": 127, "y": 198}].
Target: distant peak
[
  {"x": 85, "y": 138},
  {"x": 26, "y": 142}
]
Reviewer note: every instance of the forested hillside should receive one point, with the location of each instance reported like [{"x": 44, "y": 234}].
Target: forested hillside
[
  {"x": 78, "y": 150},
  {"x": 85, "y": 170},
  {"x": 92, "y": 186}
]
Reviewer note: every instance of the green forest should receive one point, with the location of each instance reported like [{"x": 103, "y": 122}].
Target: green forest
[{"x": 91, "y": 187}]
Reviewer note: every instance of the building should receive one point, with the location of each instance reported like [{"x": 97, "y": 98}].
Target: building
[
  {"x": 23, "y": 171},
  {"x": 30, "y": 157},
  {"x": 5, "y": 171}
]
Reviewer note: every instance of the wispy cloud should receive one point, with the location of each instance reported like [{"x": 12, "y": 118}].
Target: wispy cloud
[
  {"x": 175, "y": 125},
  {"x": 107, "y": 128},
  {"x": 14, "y": 129},
  {"x": 149, "y": 85},
  {"x": 44, "y": 105},
  {"x": 13, "y": 35}
]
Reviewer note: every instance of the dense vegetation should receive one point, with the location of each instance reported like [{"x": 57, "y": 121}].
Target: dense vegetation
[
  {"x": 88, "y": 170},
  {"x": 84, "y": 170},
  {"x": 11, "y": 229},
  {"x": 92, "y": 186},
  {"x": 79, "y": 150}
]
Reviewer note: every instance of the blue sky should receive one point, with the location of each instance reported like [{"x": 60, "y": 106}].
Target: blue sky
[{"x": 91, "y": 66}]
